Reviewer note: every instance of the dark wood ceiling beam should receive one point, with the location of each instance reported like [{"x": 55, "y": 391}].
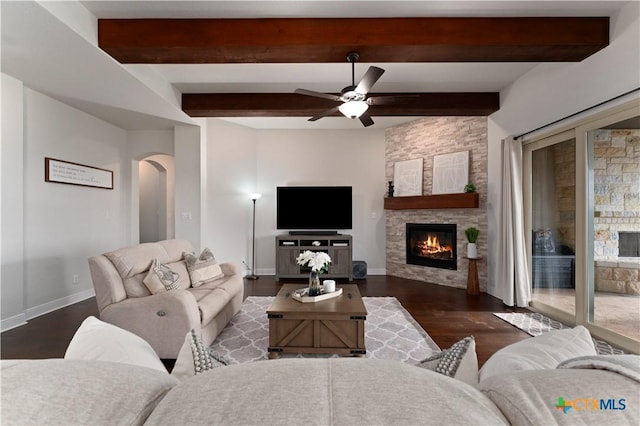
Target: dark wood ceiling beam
[
  {"x": 295, "y": 105},
  {"x": 527, "y": 39}
]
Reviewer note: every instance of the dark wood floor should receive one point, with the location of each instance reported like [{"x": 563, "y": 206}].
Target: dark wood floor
[{"x": 447, "y": 314}]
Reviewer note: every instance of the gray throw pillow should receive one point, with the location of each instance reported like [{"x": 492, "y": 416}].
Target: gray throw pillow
[
  {"x": 459, "y": 361},
  {"x": 203, "y": 268},
  {"x": 195, "y": 358}
]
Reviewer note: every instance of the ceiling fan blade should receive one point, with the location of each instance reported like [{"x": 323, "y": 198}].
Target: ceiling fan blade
[
  {"x": 381, "y": 100},
  {"x": 369, "y": 79},
  {"x": 366, "y": 120},
  {"x": 324, "y": 114},
  {"x": 317, "y": 94}
]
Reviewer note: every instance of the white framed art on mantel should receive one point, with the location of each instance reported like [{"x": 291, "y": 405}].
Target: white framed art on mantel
[
  {"x": 450, "y": 173},
  {"x": 407, "y": 178}
]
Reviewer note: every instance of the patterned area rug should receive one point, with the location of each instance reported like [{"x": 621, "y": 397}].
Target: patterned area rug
[
  {"x": 390, "y": 333},
  {"x": 535, "y": 324}
]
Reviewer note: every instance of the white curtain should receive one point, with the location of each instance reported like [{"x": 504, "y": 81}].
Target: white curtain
[{"x": 511, "y": 272}]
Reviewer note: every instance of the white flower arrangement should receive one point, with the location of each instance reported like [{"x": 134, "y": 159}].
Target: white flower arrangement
[{"x": 318, "y": 261}]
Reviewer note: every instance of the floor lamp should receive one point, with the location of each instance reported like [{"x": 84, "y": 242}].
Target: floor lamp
[{"x": 253, "y": 196}]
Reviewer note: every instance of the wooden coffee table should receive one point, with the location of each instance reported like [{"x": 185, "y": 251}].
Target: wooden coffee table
[{"x": 332, "y": 326}]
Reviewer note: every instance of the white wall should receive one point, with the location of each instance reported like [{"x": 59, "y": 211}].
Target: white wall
[
  {"x": 64, "y": 224},
  {"x": 552, "y": 91},
  {"x": 325, "y": 157},
  {"x": 12, "y": 248},
  {"x": 49, "y": 230},
  {"x": 231, "y": 175},
  {"x": 190, "y": 182},
  {"x": 243, "y": 160}
]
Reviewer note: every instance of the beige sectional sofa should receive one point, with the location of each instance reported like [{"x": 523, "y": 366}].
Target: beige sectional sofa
[
  {"x": 335, "y": 391},
  {"x": 163, "y": 319},
  {"x": 111, "y": 376}
]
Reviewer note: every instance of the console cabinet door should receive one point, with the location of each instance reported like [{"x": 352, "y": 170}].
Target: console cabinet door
[
  {"x": 340, "y": 261},
  {"x": 287, "y": 265}
]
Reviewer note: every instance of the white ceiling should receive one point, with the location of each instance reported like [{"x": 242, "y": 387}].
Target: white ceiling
[{"x": 164, "y": 83}]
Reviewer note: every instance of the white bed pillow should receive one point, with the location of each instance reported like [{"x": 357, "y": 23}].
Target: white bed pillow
[
  {"x": 98, "y": 340},
  {"x": 540, "y": 353}
]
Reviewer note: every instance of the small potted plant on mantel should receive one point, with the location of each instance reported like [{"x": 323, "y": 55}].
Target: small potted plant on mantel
[
  {"x": 472, "y": 236},
  {"x": 470, "y": 187}
]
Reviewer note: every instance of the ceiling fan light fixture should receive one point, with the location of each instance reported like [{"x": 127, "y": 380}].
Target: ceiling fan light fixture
[{"x": 353, "y": 109}]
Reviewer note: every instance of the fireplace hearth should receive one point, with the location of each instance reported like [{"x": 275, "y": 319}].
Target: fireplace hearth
[{"x": 432, "y": 245}]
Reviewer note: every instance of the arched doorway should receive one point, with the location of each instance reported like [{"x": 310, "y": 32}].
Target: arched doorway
[{"x": 156, "y": 198}]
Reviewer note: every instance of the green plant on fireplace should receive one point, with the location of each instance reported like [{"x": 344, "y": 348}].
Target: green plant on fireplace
[
  {"x": 469, "y": 187},
  {"x": 472, "y": 234}
]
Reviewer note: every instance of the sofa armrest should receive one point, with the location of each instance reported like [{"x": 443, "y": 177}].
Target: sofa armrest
[
  {"x": 230, "y": 269},
  {"x": 161, "y": 319},
  {"x": 107, "y": 282}
]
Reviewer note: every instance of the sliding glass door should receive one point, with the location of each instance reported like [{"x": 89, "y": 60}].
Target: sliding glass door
[
  {"x": 553, "y": 230},
  {"x": 613, "y": 152},
  {"x": 582, "y": 204}
]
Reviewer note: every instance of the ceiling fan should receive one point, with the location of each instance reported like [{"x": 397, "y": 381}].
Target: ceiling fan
[{"x": 355, "y": 103}]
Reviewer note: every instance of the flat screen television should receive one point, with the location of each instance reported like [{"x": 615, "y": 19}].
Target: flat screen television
[{"x": 314, "y": 207}]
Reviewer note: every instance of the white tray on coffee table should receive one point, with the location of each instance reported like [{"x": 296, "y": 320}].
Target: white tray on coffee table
[{"x": 301, "y": 295}]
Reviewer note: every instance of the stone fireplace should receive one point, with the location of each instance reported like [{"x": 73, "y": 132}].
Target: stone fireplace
[
  {"x": 431, "y": 245},
  {"x": 426, "y": 138}
]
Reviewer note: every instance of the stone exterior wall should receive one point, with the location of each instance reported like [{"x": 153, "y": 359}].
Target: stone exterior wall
[
  {"x": 618, "y": 277},
  {"x": 617, "y": 207},
  {"x": 424, "y": 139}
]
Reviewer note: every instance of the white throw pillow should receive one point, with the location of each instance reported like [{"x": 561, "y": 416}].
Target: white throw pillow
[
  {"x": 98, "y": 340},
  {"x": 161, "y": 278},
  {"x": 459, "y": 361},
  {"x": 540, "y": 353}
]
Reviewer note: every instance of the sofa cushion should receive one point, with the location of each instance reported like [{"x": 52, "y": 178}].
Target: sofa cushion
[
  {"x": 459, "y": 361},
  {"x": 541, "y": 352},
  {"x": 161, "y": 278},
  {"x": 195, "y": 358},
  {"x": 73, "y": 392},
  {"x": 203, "y": 268},
  {"x": 324, "y": 391},
  {"x": 540, "y": 397},
  {"x": 98, "y": 340},
  {"x": 213, "y": 296},
  {"x": 132, "y": 263}
]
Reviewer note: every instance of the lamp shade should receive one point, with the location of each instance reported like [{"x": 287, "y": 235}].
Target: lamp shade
[
  {"x": 255, "y": 195},
  {"x": 353, "y": 109}
]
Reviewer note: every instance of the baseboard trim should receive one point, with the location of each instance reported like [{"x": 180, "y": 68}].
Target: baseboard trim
[
  {"x": 54, "y": 305},
  {"x": 377, "y": 271},
  {"x": 12, "y": 322}
]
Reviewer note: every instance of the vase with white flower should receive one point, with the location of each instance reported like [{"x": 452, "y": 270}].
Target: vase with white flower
[{"x": 318, "y": 262}]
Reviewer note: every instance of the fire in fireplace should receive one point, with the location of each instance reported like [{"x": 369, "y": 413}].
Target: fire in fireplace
[{"x": 432, "y": 245}]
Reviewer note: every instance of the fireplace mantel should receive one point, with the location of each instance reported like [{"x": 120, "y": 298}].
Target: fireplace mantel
[{"x": 467, "y": 200}]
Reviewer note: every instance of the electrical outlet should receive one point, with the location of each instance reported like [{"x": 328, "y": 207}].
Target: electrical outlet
[{"x": 76, "y": 279}]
